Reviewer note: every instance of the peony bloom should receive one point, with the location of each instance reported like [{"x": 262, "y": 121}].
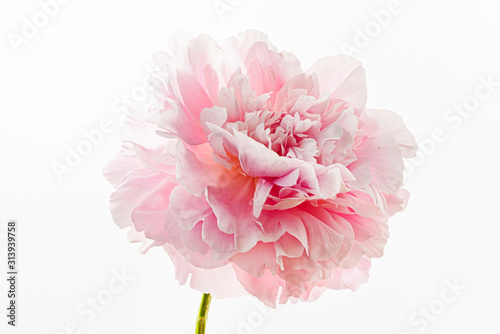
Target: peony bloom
[{"x": 256, "y": 176}]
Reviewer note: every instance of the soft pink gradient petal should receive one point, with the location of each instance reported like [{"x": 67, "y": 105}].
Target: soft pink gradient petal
[
  {"x": 220, "y": 282},
  {"x": 118, "y": 166},
  {"x": 215, "y": 238},
  {"x": 230, "y": 202},
  {"x": 380, "y": 122},
  {"x": 386, "y": 162},
  {"x": 149, "y": 214},
  {"x": 257, "y": 160},
  {"x": 258, "y": 260},
  {"x": 187, "y": 208},
  {"x": 196, "y": 169},
  {"x": 343, "y": 78},
  {"x": 135, "y": 185}
]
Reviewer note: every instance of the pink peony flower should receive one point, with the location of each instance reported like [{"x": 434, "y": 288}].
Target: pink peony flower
[{"x": 256, "y": 176}]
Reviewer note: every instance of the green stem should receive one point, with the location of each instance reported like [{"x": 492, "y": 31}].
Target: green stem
[{"x": 203, "y": 313}]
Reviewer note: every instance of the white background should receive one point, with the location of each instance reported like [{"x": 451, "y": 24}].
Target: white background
[{"x": 66, "y": 78}]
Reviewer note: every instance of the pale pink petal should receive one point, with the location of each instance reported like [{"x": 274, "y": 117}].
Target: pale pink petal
[
  {"x": 194, "y": 98},
  {"x": 258, "y": 260},
  {"x": 266, "y": 287},
  {"x": 257, "y": 160},
  {"x": 138, "y": 130},
  {"x": 324, "y": 242},
  {"x": 287, "y": 246},
  {"x": 176, "y": 123},
  {"x": 206, "y": 60},
  {"x": 214, "y": 115},
  {"x": 350, "y": 278},
  {"x": 380, "y": 122},
  {"x": 215, "y": 238},
  {"x": 357, "y": 202},
  {"x": 294, "y": 225},
  {"x": 149, "y": 215},
  {"x": 118, "y": 166},
  {"x": 361, "y": 171},
  {"x": 373, "y": 234},
  {"x": 134, "y": 236},
  {"x": 135, "y": 185},
  {"x": 386, "y": 163},
  {"x": 193, "y": 240},
  {"x": 196, "y": 169},
  {"x": 397, "y": 202},
  {"x": 220, "y": 282},
  {"x": 343, "y": 78},
  {"x": 187, "y": 208},
  {"x": 159, "y": 158},
  {"x": 230, "y": 202},
  {"x": 262, "y": 189},
  {"x": 176, "y": 239}
]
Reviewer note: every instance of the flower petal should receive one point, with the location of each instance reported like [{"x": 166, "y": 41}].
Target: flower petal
[
  {"x": 149, "y": 215},
  {"x": 380, "y": 122},
  {"x": 343, "y": 78},
  {"x": 386, "y": 163}
]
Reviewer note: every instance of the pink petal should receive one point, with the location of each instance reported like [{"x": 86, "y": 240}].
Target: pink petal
[
  {"x": 257, "y": 160},
  {"x": 194, "y": 98},
  {"x": 215, "y": 115},
  {"x": 397, "y": 202},
  {"x": 361, "y": 171},
  {"x": 230, "y": 202},
  {"x": 196, "y": 169},
  {"x": 118, "y": 166},
  {"x": 193, "y": 240},
  {"x": 293, "y": 224},
  {"x": 160, "y": 158},
  {"x": 220, "y": 282},
  {"x": 149, "y": 214},
  {"x": 135, "y": 185},
  {"x": 176, "y": 123},
  {"x": 215, "y": 238},
  {"x": 190, "y": 254},
  {"x": 324, "y": 242},
  {"x": 380, "y": 122},
  {"x": 287, "y": 246},
  {"x": 386, "y": 163},
  {"x": 265, "y": 288},
  {"x": 350, "y": 278},
  {"x": 343, "y": 78},
  {"x": 256, "y": 261},
  {"x": 187, "y": 208},
  {"x": 262, "y": 189}
]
